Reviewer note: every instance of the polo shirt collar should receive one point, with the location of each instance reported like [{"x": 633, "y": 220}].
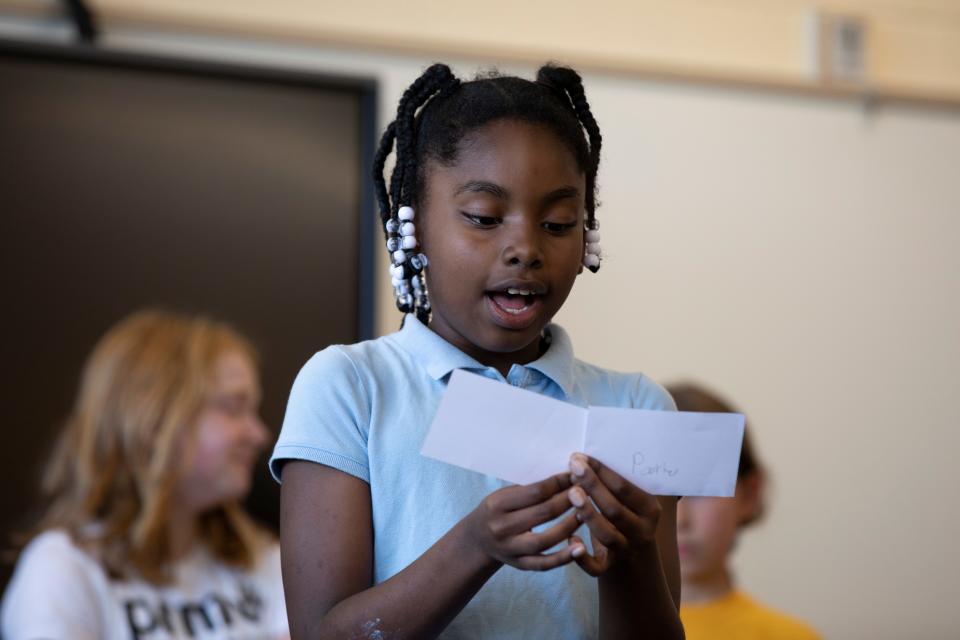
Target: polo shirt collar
[
  {"x": 434, "y": 354},
  {"x": 557, "y": 363},
  {"x": 439, "y": 358}
]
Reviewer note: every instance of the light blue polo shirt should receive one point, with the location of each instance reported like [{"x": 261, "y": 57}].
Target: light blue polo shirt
[{"x": 365, "y": 409}]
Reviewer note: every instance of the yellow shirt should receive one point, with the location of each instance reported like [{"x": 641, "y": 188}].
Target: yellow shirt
[{"x": 736, "y": 616}]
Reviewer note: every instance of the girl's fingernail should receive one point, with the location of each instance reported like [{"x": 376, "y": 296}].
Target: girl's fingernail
[
  {"x": 576, "y": 496},
  {"x": 577, "y": 550},
  {"x": 577, "y": 466}
]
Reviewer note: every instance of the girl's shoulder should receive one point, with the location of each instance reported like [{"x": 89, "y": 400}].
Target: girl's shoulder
[
  {"x": 414, "y": 353},
  {"x": 589, "y": 384},
  {"x": 333, "y": 399},
  {"x": 56, "y": 590},
  {"x": 56, "y": 548},
  {"x": 203, "y": 566},
  {"x": 357, "y": 360},
  {"x": 769, "y": 622},
  {"x": 612, "y": 388}
]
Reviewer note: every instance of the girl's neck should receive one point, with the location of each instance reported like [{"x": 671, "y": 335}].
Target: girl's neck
[
  {"x": 182, "y": 533},
  {"x": 708, "y": 587},
  {"x": 502, "y": 362}
]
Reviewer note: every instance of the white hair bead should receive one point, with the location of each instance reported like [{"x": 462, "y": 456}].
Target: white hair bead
[
  {"x": 408, "y": 242},
  {"x": 399, "y": 256},
  {"x": 392, "y": 225},
  {"x": 396, "y": 271},
  {"x": 592, "y": 236},
  {"x": 415, "y": 281},
  {"x": 405, "y": 213},
  {"x": 591, "y": 260},
  {"x": 594, "y": 248},
  {"x": 393, "y": 244},
  {"x": 407, "y": 229}
]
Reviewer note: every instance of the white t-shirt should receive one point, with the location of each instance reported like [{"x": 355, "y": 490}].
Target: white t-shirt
[{"x": 58, "y": 591}]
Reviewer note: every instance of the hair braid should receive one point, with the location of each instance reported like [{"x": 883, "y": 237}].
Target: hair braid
[
  {"x": 379, "y": 160},
  {"x": 399, "y": 131},
  {"x": 569, "y": 84},
  {"x": 438, "y": 78}
]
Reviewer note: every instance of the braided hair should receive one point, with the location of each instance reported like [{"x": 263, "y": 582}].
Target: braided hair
[{"x": 434, "y": 115}]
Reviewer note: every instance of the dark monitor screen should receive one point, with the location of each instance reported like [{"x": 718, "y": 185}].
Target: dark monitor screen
[{"x": 130, "y": 181}]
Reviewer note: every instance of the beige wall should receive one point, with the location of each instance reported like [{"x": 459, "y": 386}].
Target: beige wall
[
  {"x": 914, "y": 45},
  {"x": 799, "y": 254}
]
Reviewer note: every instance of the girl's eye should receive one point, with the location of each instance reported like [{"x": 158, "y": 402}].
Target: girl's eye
[
  {"x": 559, "y": 227},
  {"x": 481, "y": 221},
  {"x": 231, "y": 405}
]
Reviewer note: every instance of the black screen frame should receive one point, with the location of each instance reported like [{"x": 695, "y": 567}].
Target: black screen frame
[{"x": 366, "y": 89}]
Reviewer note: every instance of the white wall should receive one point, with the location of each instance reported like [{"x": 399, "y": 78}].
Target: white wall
[
  {"x": 799, "y": 255},
  {"x": 802, "y": 256}
]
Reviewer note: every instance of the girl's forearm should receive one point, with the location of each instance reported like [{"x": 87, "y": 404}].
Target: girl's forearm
[
  {"x": 636, "y": 601},
  {"x": 421, "y": 600}
]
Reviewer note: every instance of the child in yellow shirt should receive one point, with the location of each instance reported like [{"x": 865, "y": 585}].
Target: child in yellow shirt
[{"x": 713, "y": 608}]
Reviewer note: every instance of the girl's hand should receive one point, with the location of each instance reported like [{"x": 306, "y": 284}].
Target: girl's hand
[
  {"x": 501, "y": 525},
  {"x": 624, "y": 521}
]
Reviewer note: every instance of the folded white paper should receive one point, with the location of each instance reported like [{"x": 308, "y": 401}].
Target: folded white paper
[{"x": 523, "y": 437}]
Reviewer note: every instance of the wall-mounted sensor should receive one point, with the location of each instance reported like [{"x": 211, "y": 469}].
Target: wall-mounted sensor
[{"x": 837, "y": 47}]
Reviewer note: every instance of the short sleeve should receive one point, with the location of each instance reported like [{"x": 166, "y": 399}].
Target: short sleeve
[
  {"x": 327, "y": 418},
  {"x": 52, "y": 594}
]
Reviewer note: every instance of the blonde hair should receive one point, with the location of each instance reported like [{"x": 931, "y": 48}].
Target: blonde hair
[{"x": 110, "y": 482}]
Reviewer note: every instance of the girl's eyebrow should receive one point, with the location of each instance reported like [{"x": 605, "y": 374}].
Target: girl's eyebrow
[
  {"x": 482, "y": 186},
  {"x": 561, "y": 194}
]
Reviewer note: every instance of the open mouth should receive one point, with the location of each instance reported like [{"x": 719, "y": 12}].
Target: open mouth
[
  {"x": 514, "y": 301},
  {"x": 515, "y": 307}
]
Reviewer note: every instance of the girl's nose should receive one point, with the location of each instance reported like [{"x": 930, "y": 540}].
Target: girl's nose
[{"x": 522, "y": 247}]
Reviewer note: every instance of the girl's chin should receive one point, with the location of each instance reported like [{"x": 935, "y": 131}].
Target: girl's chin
[{"x": 223, "y": 495}]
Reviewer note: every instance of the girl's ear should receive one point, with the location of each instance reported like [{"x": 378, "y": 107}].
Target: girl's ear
[
  {"x": 749, "y": 497},
  {"x": 583, "y": 253}
]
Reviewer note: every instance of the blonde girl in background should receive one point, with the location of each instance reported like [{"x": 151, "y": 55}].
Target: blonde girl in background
[
  {"x": 144, "y": 536},
  {"x": 714, "y": 608}
]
